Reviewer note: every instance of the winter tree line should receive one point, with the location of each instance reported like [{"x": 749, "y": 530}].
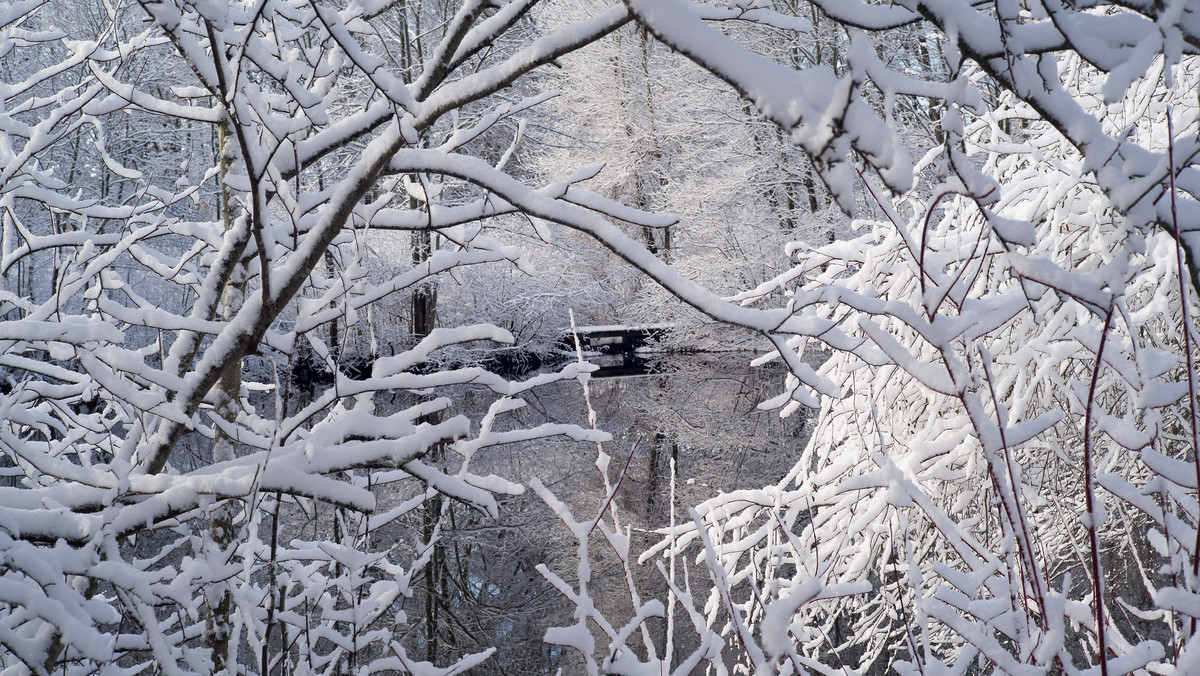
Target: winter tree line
[{"x": 257, "y": 254}]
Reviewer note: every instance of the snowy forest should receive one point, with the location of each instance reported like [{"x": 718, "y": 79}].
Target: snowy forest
[{"x": 299, "y": 357}]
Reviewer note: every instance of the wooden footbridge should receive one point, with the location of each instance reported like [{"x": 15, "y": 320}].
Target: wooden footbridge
[{"x": 614, "y": 338}]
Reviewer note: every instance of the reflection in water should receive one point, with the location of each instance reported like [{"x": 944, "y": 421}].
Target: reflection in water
[
  {"x": 700, "y": 411},
  {"x": 480, "y": 586},
  {"x": 696, "y": 412}
]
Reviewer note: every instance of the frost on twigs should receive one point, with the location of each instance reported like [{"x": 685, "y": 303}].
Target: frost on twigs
[{"x": 231, "y": 426}]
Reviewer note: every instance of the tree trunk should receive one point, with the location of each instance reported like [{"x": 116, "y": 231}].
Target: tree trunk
[
  {"x": 424, "y": 298},
  {"x": 220, "y": 543}
]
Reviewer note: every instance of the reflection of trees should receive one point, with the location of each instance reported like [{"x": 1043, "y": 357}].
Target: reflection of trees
[
  {"x": 702, "y": 412},
  {"x": 478, "y": 586},
  {"x": 699, "y": 411}
]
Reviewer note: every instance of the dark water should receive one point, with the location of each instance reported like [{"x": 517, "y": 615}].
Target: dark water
[
  {"x": 697, "y": 413},
  {"x": 693, "y": 417}
]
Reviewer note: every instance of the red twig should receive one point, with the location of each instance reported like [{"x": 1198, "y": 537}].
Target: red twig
[
  {"x": 613, "y": 493},
  {"x": 1187, "y": 337},
  {"x": 1090, "y": 495},
  {"x": 1025, "y": 541}
]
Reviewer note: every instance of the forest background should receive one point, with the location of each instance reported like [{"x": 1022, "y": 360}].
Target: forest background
[{"x": 268, "y": 266}]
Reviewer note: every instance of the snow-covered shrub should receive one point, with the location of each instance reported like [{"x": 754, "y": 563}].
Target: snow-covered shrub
[{"x": 1003, "y": 478}]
